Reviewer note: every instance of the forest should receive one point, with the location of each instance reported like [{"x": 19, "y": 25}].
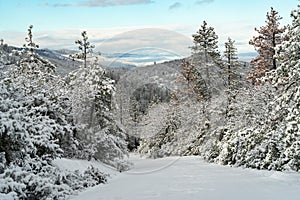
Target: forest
[{"x": 209, "y": 104}]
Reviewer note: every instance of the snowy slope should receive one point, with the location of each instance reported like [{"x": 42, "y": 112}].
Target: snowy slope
[
  {"x": 82, "y": 165},
  {"x": 178, "y": 178}
]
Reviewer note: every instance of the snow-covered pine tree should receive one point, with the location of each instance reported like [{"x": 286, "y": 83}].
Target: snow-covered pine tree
[
  {"x": 205, "y": 55},
  {"x": 35, "y": 128},
  {"x": 206, "y": 42},
  {"x": 274, "y": 141},
  {"x": 192, "y": 77},
  {"x": 33, "y": 73},
  {"x": 36, "y": 77},
  {"x": 204, "y": 51},
  {"x": 90, "y": 92},
  {"x": 231, "y": 75},
  {"x": 269, "y": 37},
  {"x": 231, "y": 63},
  {"x": 84, "y": 47},
  {"x": 284, "y": 118}
]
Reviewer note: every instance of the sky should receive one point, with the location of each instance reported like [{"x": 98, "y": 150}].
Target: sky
[{"x": 124, "y": 25}]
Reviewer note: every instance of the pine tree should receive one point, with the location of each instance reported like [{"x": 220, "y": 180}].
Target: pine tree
[
  {"x": 195, "y": 82},
  {"x": 204, "y": 53},
  {"x": 270, "y": 36},
  {"x": 85, "y": 48},
  {"x": 230, "y": 54},
  {"x": 273, "y": 141},
  {"x": 33, "y": 73},
  {"x": 205, "y": 42},
  {"x": 287, "y": 79},
  {"x": 33, "y": 123},
  {"x": 231, "y": 75},
  {"x": 35, "y": 78},
  {"x": 289, "y": 56},
  {"x": 31, "y": 46},
  {"x": 91, "y": 92}
]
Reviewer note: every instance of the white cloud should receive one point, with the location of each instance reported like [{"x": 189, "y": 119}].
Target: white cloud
[
  {"x": 109, "y": 40},
  {"x": 200, "y": 2},
  {"x": 175, "y": 5},
  {"x": 176, "y": 38},
  {"x": 100, "y": 3},
  {"x": 240, "y": 31},
  {"x": 143, "y": 38}
]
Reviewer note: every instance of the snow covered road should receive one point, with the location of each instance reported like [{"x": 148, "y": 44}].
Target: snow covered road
[{"x": 179, "y": 178}]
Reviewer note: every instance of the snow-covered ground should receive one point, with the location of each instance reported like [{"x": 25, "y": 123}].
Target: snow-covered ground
[
  {"x": 82, "y": 165},
  {"x": 178, "y": 178}
]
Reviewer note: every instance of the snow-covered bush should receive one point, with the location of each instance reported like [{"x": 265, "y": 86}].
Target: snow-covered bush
[
  {"x": 31, "y": 136},
  {"x": 40, "y": 180},
  {"x": 157, "y": 145}
]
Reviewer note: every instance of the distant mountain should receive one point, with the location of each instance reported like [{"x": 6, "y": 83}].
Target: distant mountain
[
  {"x": 60, "y": 58},
  {"x": 137, "y": 58},
  {"x": 65, "y": 51},
  {"x": 144, "y": 57}
]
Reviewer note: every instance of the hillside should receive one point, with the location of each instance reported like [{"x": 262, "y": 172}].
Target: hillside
[{"x": 60, "y": 58}]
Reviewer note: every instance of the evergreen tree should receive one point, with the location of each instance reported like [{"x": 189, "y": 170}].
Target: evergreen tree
[
  {"x": 204, "y": 53},
  {"x": 31, "y": 46},
  {"x": 205, "y": 42},
  {"x": 195, "y": 82},
  {"x": 84, "y": 47},
  {"x": 231, "y": 75},
  {"x": 33, "y": 73},
  {"x": 273, "y": 142},
  {"x": 270, "y": 36},
  {"x": 35, "y": 78},
  {"x": 231, "y": 64},
  {"x": 284, "y": 120},
  {"x": 90, "y": 92},
  {"x": 289, "y": 56}
]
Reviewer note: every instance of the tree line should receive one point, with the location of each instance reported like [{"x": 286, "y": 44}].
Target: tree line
[
  {"x": 249, "y": 120},
  {"x": 44, "y": 117}
]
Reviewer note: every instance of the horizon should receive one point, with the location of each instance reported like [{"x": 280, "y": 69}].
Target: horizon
[{"x": 136, "y": 24}]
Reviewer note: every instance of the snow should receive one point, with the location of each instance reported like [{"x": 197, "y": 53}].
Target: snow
[
  {"x": 82, "y": 165},
  {"x": 178, "y": 178}
]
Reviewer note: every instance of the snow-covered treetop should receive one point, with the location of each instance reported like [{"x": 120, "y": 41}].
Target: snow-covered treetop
[
  {"x": 30, "y": 44},
  {"x": 205, "y": 41},
  {"x": 289, "y": 71},
  {"x": 269, "y": 38},
  {"x": 85, "y": 48},
  {"x": 230, "y": 50}
]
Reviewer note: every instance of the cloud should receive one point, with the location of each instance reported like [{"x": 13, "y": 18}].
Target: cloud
[
  {"x": 124, "y": 39},
  {"x": 108, "y": 40},
  {"x": 200, "y": 2},
  {"x": 56, "y": 4},
  {"x": 100, "y": 3},
  {"x": 175, "y": 6},
  {"x": 105, "y": 3},
  {"x": 147, "y": 38}
]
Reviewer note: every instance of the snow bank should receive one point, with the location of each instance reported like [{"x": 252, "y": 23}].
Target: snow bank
[{"x": 82, "y": 165}]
